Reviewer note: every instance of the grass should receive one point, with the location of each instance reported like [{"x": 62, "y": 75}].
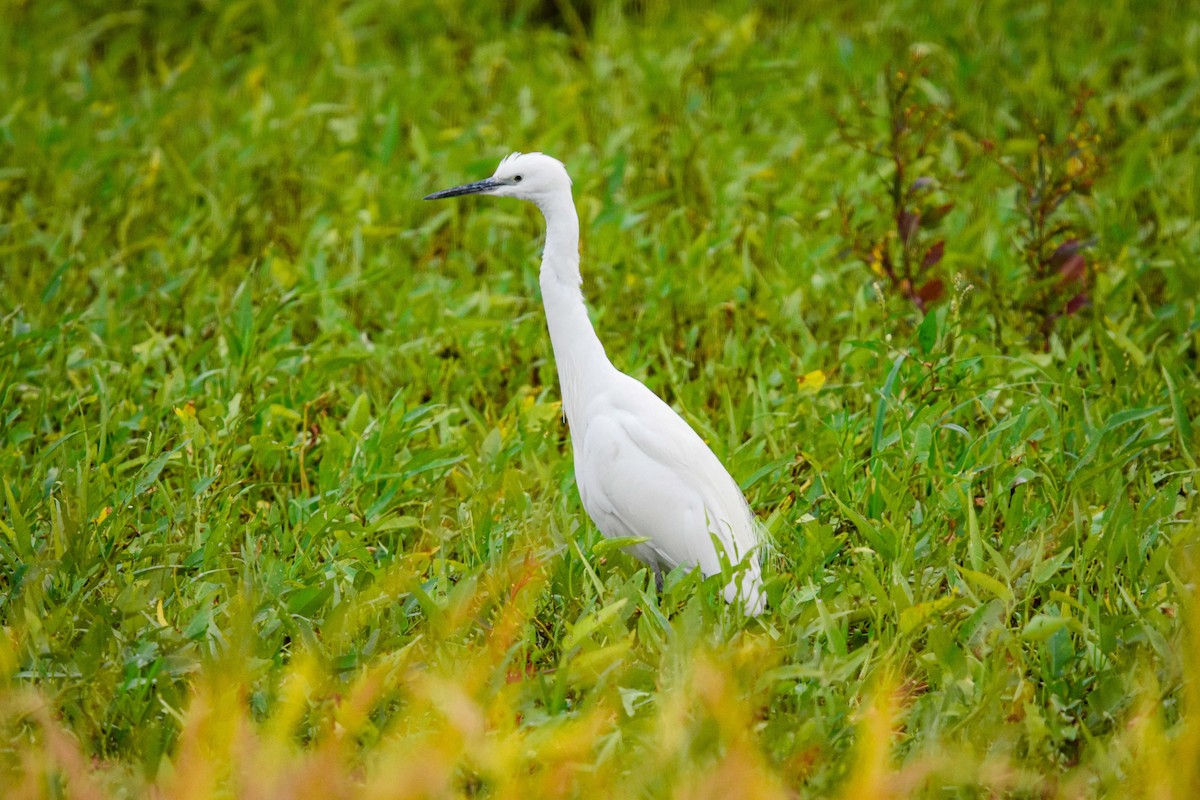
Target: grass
[{"x": 288, "y": 507}]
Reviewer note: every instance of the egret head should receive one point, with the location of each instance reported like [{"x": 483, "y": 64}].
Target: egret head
[{"x": 526, "y": 176}]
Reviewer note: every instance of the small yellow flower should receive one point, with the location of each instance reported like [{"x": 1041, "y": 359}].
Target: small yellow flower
[
  {"x": 811, "y": 382},
  {"x": 877, "y": 259}
]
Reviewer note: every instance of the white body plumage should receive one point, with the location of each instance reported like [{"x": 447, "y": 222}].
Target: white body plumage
[{"x": 640, "y": 468}]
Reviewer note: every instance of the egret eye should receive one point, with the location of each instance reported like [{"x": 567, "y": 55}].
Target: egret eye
[{"x": 516, "y": 179}]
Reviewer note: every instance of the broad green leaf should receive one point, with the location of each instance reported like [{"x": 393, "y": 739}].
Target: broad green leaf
[
  {"x": 917, "y": 615},
  {"x": 1042, "y": 627},
  {"x": 986, "y": 582}
]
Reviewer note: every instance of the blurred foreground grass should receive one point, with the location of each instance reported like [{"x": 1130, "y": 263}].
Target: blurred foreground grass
[{"x": 287, "y": 501}]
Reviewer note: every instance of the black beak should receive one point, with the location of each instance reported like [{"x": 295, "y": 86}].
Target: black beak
[{"x": 484, "y": 185}]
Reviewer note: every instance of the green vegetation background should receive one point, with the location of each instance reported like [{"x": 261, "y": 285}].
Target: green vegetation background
[{"x": 287, "y": 500}]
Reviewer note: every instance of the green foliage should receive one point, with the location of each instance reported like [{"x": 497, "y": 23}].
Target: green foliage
[{"x": 286, "y": 503}]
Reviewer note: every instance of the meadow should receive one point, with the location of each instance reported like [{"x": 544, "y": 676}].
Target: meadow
[{"x": 286, "y": 496}]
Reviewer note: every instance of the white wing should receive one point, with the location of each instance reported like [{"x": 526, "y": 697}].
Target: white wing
[{"x": 642, "y": 471}]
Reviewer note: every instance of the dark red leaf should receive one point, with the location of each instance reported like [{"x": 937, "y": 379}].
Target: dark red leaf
[
  {"x": 934, "y": 254},
  {"x": 931, "y": 291},
  {"x": 1072, "y": 269},
  {"x": 1065, "y": 251},
  {"x": 907, "y": 223},
  {"x": 1077, "y": 302}
]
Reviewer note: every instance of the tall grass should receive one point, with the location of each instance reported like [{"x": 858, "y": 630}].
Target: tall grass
[{"x": 287, "y": 497}]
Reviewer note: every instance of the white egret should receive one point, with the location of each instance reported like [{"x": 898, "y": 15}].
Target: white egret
[{"x": 640, "y": 468}]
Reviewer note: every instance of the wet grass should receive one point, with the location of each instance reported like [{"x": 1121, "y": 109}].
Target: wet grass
[{"x": 288, "y": 507}]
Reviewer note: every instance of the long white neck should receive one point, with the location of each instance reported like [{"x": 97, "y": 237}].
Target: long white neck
[{"x": 581, "y": 360}]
